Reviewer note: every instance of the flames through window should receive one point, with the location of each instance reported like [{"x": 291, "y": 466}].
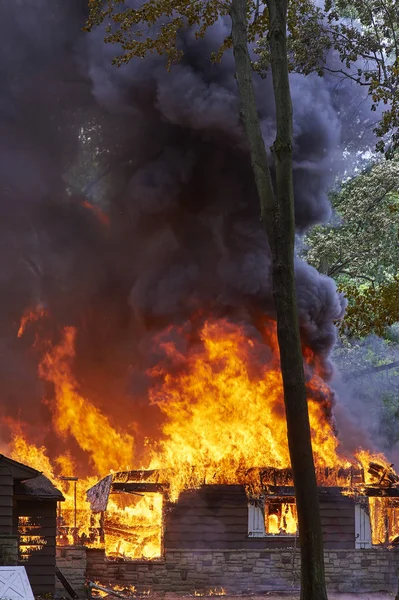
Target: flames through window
[{"x": 272, "y": 516}]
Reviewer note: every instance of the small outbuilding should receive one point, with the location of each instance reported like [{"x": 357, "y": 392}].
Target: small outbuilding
[{"x": 28, "y": 523}]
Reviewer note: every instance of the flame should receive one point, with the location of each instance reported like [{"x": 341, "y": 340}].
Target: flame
[
  {"x": 283, "y": 520},
  {"x": 223, "y": 415},
  {"x": 76, "y": 416},
  {"x": 100, "y": 215},
  {"x": 30, "y": 316},
  {"x": 144, "y": 541}
]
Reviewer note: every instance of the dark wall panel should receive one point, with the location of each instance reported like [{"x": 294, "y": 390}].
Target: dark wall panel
[
  {"x": 37, "y": 542},
  {"x": 217, "y": 517}
]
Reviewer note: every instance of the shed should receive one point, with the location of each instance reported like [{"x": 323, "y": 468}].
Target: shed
[{"x": 28, "y": 510}]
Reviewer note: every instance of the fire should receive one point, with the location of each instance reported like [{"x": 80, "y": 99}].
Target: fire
[
  {"x": 223, "y": 415},
  {"x": 282, "y": 520},
  {"x": 224, "y": 411},
  {"x": 30, "y": 316},
  {"x": 76, "y": 416},
  {"x": 144, "y": 540},
  {"x": 100, "y": 215}
]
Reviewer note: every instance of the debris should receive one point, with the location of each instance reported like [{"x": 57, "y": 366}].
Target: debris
[{"x": 109, "y": 591}]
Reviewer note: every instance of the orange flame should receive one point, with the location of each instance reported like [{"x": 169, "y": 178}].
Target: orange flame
[
  {"x": 30, "y": 316},
  {"x": 223, "y": 415},
  {"x": 223, "y": 409},
  {"x": 100, "y": 215},
  {"x": 75, "y": 415}
]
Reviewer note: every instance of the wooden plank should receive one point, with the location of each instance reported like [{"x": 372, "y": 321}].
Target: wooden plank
[
  {"x": 340, "y": 545},
  {"x": 240, "y": 521},
  {"x": 6, "y": 516},
  {"x": 46, "y": 532},
  {"x": 336, "y": 505},
  {"x": 206, "y": 527},
  {"x": 42, "y": 573},
  {"x": 339, "y": 538},
  {"x": 45, "y": 551},
  {"x": 42, "y": 521},
  {"x": 348, "y": 528},
  {"x": 41, "y": 589},
  {"x": 347, "y": 514},
  {"x": 48, "y": 542},
  {"x": 208, "y": 533},
  {"x": 40, "y": 509},
  {"x": 223, "y": 511},
  {"x": 337, "y": 521},
  {"x": 37, "y": 559}
]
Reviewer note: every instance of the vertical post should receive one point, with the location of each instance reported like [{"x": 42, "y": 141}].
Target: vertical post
[
  {"x": 74, "y": 505},
  {"x": 74, "y": 480}
]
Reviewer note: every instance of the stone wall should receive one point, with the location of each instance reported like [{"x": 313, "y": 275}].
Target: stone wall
[
  {"x": 361, "y": 571},
  {"x": 8, "y": 550},
  {"x": 71, "y": 561}
]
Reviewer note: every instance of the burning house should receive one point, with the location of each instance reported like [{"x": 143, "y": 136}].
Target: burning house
[
  {"x": 138, "y": 329},
  {"x": 242, "y": 537}
]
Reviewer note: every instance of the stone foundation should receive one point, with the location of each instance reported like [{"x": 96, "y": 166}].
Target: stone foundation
[
  {"x": 8, "y": 550},
  {"x": 236, "y": 571},
  {"x": 71, "y": 561},
  {"x": 240, "y": 571}
]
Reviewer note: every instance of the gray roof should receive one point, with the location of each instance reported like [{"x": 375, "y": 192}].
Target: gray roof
[{"x": 39, "y": 487}]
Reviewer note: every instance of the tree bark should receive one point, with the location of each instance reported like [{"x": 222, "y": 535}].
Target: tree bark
[{"x": 277, "y": 214}]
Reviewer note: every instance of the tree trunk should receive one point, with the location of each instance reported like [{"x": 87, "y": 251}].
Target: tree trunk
[{"x": 277, "y": 213}]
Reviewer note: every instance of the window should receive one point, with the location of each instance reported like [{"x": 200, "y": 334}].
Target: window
[
  {"x": 272, "y": 516},
  {"x": 133, "y": 525}
]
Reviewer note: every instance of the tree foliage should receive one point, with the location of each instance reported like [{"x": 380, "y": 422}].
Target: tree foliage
[
  {"x": 154, "y": 27},
  {"x": 365, "y": 36},
  {"x": 360, "y": 248},
  {"x": 371, "y": 309},
  {"x": 361, "y": 242}
]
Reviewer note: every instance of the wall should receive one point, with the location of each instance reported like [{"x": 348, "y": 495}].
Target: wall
[
  {"x": 38, "y": 556},
  {"x": 6, "y": 500},
  {"x": 216, "y": 516},
  {"x": 237, "y": 571},
  {"x": 8, "y": 550},
  {"x": 71, "y": 561},
  {"x": 337, "y": 514}
]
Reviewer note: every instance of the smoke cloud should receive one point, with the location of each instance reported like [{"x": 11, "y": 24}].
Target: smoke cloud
[{"x": 127, "y": 202}]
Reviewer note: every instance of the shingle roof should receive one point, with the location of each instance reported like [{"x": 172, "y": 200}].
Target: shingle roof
[{"x": 39, "y": 487}]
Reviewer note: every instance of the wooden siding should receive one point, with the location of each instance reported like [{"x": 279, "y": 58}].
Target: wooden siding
[
  {"x": 39, "y": 564},
  {"x": 6, "y": 500},
  {"x": 337, "y": 514},
  {"x": 217, "y": 517}
]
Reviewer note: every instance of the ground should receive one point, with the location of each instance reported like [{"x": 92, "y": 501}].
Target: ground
[{"x": 278, "y": 596}]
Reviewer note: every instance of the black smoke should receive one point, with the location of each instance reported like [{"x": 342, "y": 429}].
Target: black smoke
[{"x": 162, "y": 155}]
